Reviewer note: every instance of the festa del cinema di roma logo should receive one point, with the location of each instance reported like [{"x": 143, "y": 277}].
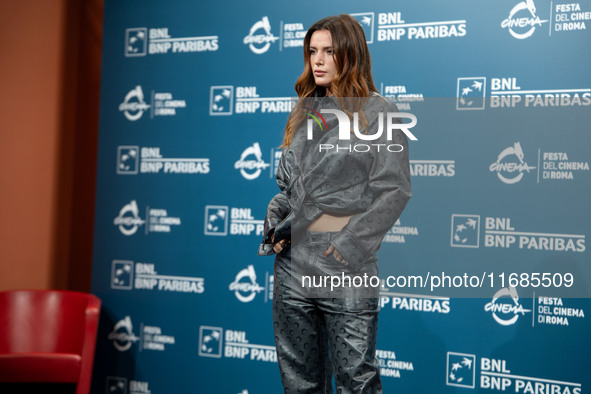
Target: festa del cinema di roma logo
[
  {"x": 522, "y": 20},
  {"x": 251, "y": 168},
  {"x": 128, "y": 219},
  {"x": 133, "y": 106},
  {"x": 245, "y": 286},
  {"x": 505, "y": 306},
  {"x": 122, "y": 335},
  {"x": 510, "y": 165},
  {"x": 260, "y": 38}
]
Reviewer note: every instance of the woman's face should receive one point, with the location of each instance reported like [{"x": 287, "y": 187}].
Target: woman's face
[{"x": 322, "y": 58}]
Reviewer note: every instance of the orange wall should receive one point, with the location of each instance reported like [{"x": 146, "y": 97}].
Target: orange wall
[{"x": 40, "y": 55}]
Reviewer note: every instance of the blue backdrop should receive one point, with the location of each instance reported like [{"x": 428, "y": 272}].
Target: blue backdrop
[{"x": 194, "y": 99}]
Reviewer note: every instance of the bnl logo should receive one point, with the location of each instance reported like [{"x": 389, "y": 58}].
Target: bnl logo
[
  {"x": 127, "y": 159},
  {"x": 116, "y": 385},
  {"x": 366, "y": 21},
  {"x": 136, "y": 40},
  {"x": 461, "y": 370},
  {"x": 220, "y": 100},
  {"x": 216, "y": 220},
  {"x": 122, "y": 274},
  {"x": 210, "y": 341},
  {"x": 471, "y": 93},
  {"x": 465, "y": 230}
]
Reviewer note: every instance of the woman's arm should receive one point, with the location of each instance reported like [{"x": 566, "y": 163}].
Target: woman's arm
[{"x": 279, "y": 207}]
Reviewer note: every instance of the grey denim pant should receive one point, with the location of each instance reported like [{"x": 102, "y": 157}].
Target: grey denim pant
[{"x": 323, "y": 331}]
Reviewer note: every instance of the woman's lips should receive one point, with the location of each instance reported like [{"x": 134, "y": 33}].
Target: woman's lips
[{"x": 319, "y": 73}]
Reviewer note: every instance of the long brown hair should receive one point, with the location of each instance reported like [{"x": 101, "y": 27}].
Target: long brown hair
[{"x": 353, "y": 62}]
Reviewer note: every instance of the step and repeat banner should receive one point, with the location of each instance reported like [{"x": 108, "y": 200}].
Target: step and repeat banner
[{"x": 487, "y": 274}]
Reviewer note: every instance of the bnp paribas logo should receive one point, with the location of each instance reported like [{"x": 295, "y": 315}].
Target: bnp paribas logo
[
  {"x": 220, "y": 100},
  {"x": 465, "y": 230},
  {"x": 471, "y": 93},
  {"x": 210, "y": 341},
  {"x": 136, "y": 40},
  {"x": 366, "y": 20},
  {"x": 461, "y": 370}
]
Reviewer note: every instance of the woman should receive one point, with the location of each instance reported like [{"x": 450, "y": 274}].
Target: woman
[{"x": 335, "y": 206}]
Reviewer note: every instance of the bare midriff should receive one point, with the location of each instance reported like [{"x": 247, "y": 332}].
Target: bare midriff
[{"x": 329, "y": 223}]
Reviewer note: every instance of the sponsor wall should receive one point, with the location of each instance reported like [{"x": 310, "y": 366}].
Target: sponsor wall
[{"x": 490, "y": 256}]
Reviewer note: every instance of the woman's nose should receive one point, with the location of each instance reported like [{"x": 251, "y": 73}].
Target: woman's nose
[{"x": 319, "y": 59}]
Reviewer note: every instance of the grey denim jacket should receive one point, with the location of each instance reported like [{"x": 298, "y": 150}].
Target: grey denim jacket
[{"x": 357, "y": 177}]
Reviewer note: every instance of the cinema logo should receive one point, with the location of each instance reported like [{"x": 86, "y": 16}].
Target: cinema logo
[
  {"x": 222, "y": 220},
  {"x": 218, "y": 342},
  {"x": 245, "y": 286},
  {"x": 129, "y": 221},
  {"x": 122, "y": 335},
  {"x": 510, "y": 165},
  {"x": 495, "y": 375},
  {"x": 151, "y": 337},
  {"x": 145, "y": 277},
  {"x": 134, "y": 105},
  {"x": 251, "y": 163},
  {"x": 226, "y": 100},
  {"x": 140, "y": 41},
  {"x": 505, "y": 307},
  {"x": 260, "y": 38},
  {"x": 522, "y": 20},
  {"x": 132, "y": 160}
]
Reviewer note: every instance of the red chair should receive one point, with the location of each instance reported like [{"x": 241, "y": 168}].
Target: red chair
[{"x": 48, "y": 336}]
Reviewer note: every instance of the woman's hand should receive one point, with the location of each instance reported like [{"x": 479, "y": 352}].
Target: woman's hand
[
  {"x": 278, "y": 247},
  {"x": 336, "y": 255}
]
